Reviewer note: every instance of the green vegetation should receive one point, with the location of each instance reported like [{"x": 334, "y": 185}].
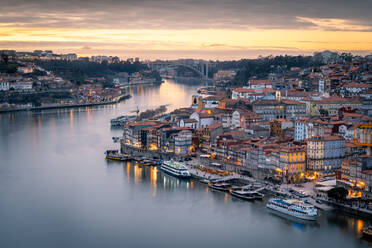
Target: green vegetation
[
  {"x": 9, "y": 68},
  {"x": 35, "y": 98},
  {"x": 262, "y": 66},
  {"x": 37, "y": 73},
  {"x": 152, "y": 74},
  {"x": 78, "y": 71},
  {"x": 323, "y": 112}
]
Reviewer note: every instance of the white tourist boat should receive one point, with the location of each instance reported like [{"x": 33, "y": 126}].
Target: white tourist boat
[
  {"x": 175, "y": 169},
  {"x": 293, "y": 207}
]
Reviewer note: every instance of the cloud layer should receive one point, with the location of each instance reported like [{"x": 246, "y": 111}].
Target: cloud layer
[
  {"x": 183, "y": 14},
  {"x": 135, "y": 24}
]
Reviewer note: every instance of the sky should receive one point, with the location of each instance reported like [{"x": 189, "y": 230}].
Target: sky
[{"x": 170, "y": 29}]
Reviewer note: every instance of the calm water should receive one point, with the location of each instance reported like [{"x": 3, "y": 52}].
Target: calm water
[{"x": 57, "y": 190}]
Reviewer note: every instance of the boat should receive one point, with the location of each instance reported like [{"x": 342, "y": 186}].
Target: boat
[
  {"x": 367, "y": 232},
  {"x": 224, "y": 187},
  {"x": 176, "y": 169},
  {"x": 247, "y": 194},
  {"x": 205, "y": 181},
  {"x": 293, "y": 207},
  {"x": 239, "y": 187},
  {"x": 157, "y": 162},
  {"x": 115, "y": 155},
  {"x": 145, "y": 162}
]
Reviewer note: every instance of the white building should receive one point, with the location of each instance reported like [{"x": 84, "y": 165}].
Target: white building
[
  {"x": 346, "y": 132},
  {"x": 203, "y": 119},
  {"x": 191, "y": 123},
  {"x": 354, "y": 88},
  {"x": 251, "y": 94},
  {"x": 211, "y": 102},
  {"x": 260, "y": 84},
  {"x": 227, "y": 119},
  {"x": 300, "y": 131},
  {"x": 69, "y": 57},
  {"x": 238, "y": 93},
  {"x": 23, "y": 85},
  {"x": 304, "y": 129},
  {"x": 4, "y": 86}
]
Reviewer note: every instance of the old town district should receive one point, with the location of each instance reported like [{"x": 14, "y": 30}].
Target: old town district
[{"x": 284, "y": 136}]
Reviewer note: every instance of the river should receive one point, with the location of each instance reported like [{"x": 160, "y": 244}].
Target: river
[{"x": 57, "y": 190}]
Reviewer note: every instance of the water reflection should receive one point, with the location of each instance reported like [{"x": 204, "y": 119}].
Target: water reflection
[
  {"x": 152, "y": 176},
  {"x": 226, "y": 198},
  {"x": 154, "y": 179},
  {"x": 128, "y": 171},
  {"x": 360, "y": 225},
  {"x": 71, "y": 119},
  {"x": 292, "y": 221},
  {"x": 54, "y": 180}
]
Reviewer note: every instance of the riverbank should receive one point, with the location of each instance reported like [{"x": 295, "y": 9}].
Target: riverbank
[
  {"x": 234, "y": 173},
  {"x": 139, "y": 152},
  {"x": 59, "y": 106}
]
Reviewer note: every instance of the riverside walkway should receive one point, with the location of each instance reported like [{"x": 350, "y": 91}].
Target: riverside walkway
[{"x": 60, "y": 106}]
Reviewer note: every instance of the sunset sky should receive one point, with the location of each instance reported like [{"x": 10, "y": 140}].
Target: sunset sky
[{"x": 168, "y": 29}]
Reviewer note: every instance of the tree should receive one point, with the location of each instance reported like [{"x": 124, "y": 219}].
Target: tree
[
  {"x": 323, "y": 112},
  {"x": 5, "y": 58},
  {"x": 338, "y": 193}
]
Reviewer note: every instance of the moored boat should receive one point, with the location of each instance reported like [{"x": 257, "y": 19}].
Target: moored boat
[
  {"x": 224, "y": 187},
  {"x": 247, "y": 194},
  {"x": 176, "y": 169},
  {"x": 367, "y": 232},
  {"x": 115, "y": 155},
  {"x": 145, "y": 162},
  {"x": 205, "y": 181},
  {"x": 157, "y": 162},
  {"x": 293, "y": 207}
]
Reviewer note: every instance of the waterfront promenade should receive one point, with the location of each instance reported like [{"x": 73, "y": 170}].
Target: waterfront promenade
[
  {"x": 270, "y": 188},
  {"x": 59, "y": 106}
]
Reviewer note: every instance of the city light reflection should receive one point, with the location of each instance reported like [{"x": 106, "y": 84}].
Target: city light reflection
[
  {"x": 128, "y": 171},
  {"x": 71, "y": 119},
  {"x": 360, "y": 224}
]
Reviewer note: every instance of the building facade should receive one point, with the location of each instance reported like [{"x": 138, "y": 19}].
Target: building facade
[
  {"x": 324, "y": 155},
  {"x": 4, "y": 86}
]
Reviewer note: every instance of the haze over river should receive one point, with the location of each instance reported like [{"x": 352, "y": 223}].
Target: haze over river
[{"x": 57, "y": 190}]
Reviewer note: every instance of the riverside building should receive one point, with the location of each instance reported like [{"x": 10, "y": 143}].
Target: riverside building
[{"x": 324, "y": 155}]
